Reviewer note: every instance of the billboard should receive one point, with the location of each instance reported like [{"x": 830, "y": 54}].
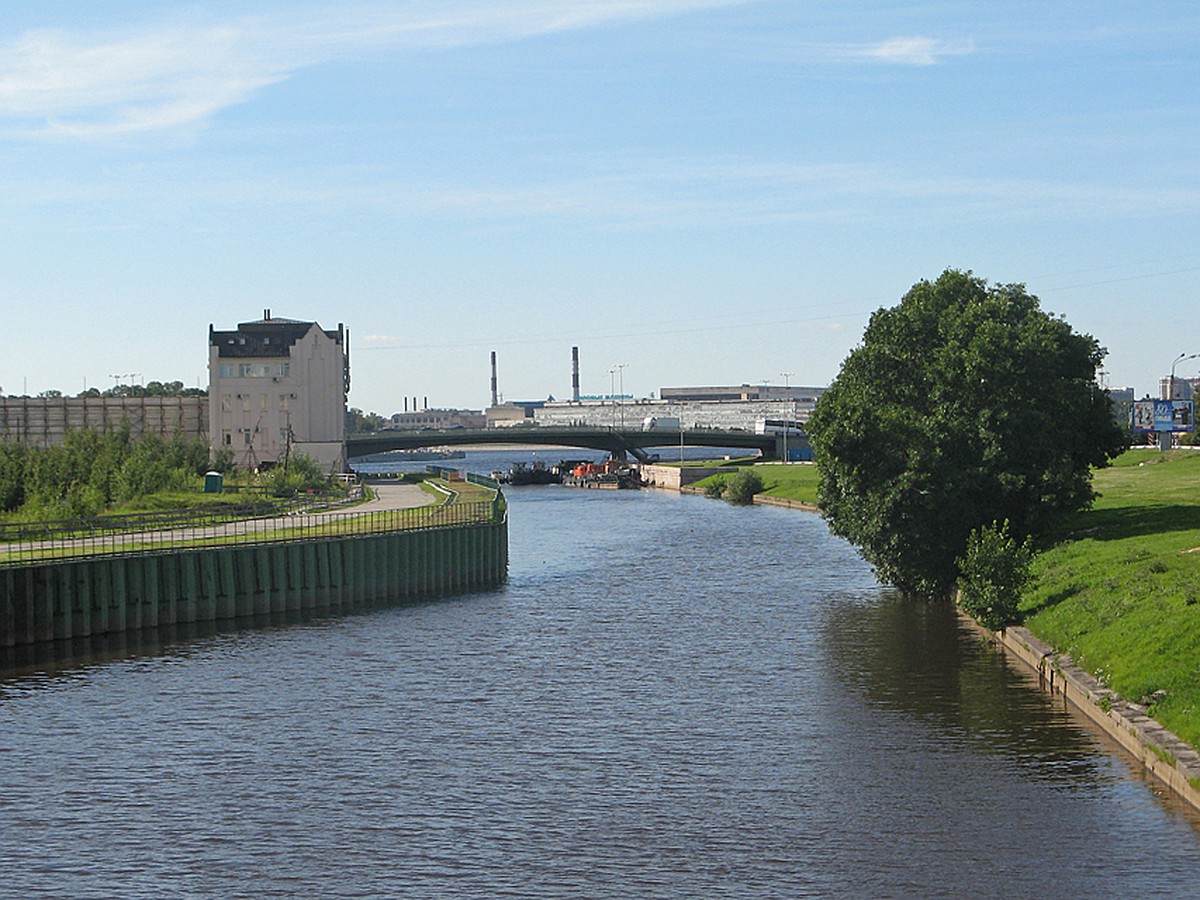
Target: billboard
[{"x": 1175, "y": 416}]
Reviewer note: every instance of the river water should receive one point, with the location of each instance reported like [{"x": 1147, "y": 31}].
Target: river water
[{"x": 671, "y": 697}]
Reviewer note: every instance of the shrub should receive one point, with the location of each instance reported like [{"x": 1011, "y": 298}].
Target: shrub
[
  {"x": 300, "y": 473},
  {"x": 992, "y": 574},
  {"x": 743, "y": 486},
  {"x": 715, "y": 488}
]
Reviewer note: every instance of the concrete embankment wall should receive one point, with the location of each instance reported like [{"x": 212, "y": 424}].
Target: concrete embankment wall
[
  {"x": 1164, "y": 754},
  {"x": 106, "y": 595},
  {"x": 678, "y": 477}
]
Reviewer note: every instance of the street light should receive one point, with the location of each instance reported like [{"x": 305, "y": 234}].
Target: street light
[
  {"x": 620, "y": 367},
  {"x": 787, "y": 421},
  {"x": 1180, "y": 358},
  {"x": 1165, "y": 438},
  {"x": 612, "y": 394}
]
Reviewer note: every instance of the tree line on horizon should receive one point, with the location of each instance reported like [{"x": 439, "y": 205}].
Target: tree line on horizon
[{"x": 149, "y": 389}]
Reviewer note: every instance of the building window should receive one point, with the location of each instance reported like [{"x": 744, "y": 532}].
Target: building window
[
  {"x": 228, "y": 370},
  {"x": 226, "y": 403},
  {"x": 227, "y": 438},
  {"x": 246, "y": 438},
  {"x": 256, "y": 370},
  {"x": 285, "y": 369},
  {"x": 283, "y": 402}
]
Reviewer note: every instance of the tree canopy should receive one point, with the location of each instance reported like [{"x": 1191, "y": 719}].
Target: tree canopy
[{"x": 964, "y": 406}]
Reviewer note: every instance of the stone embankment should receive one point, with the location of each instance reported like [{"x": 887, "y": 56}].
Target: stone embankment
[
  {"x": 1168, "y": 757},
  {"x": 678, "y": 478}
]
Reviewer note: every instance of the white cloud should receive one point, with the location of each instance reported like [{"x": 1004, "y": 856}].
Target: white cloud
[
  {"x": 911, "y": 51},
  {"x": 92, "y": 85},
  {"x": 61, "y": 83}
]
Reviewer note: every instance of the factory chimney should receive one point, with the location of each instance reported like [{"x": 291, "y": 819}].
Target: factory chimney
[
  {"x": 575, "y": 374},
  {"x": 495, "y": 395}
]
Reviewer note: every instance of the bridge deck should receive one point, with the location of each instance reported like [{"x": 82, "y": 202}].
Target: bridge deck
[{"x": 612, "y": 440}]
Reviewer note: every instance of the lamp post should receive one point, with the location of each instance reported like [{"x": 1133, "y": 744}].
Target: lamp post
[
  {"x": 620, "y": 367},
  {"x": 1180, "y": 358},
  {"x": 1165, "y": 437},
  {"x": 612, "y": 394},
  {"x": 787, "y": 422}
]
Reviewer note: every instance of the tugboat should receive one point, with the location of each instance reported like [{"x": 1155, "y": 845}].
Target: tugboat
[
  {"x": 611, "y": 474},
  {"x": 520, "y": 474}
]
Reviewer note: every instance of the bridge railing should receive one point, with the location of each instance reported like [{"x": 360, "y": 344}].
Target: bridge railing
[{"x": 52, "y": 541}]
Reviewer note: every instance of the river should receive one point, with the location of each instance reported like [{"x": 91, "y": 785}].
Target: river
[{"x": 671, "y": 697}]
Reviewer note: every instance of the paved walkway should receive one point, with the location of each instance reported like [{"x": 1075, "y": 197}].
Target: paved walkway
[
  {"x": 388, "y": 498},
  {"x": 396, "y": 496}
]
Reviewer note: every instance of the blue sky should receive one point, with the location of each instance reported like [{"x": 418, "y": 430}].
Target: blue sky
[{"x": 702, "y": 191}]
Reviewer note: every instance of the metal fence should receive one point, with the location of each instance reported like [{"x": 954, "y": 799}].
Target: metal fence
[{"x": 159, "y": 532}]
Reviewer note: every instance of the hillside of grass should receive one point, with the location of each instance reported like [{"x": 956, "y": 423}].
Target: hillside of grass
[
  {"x": 1121, "y": 592},
  {"x": 786, "y": 482}
]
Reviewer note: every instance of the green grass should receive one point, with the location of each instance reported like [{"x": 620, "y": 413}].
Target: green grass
[
  {"x": 1121, "y": 592},
  {"x": 795, "y": 481},
  {"x": 430, "y": 515},
  {"x": 787, "y": 482}
]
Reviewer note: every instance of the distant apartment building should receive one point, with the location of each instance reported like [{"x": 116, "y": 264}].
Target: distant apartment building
[
  {"x": 438, "y": 419},
  {"x": 277, "y": 386},
  {"x": 1177, "y": 388}
]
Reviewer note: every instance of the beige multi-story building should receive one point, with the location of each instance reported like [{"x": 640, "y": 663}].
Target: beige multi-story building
[{"x": 277, "y": 386}]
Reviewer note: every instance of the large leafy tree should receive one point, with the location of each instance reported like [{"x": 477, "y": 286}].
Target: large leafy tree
[{"x": 965, "y": 406}]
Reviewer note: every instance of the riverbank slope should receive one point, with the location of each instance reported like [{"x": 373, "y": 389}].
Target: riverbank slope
[{"x": 1121, "y": 593}]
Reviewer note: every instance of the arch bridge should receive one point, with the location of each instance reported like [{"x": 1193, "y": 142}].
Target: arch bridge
[{"x": 621, "y": 444}]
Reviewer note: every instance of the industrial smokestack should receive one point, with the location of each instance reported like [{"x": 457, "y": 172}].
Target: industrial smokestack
[
  {"x": 495, "y": 394},
  {"x": 575, "y": 374}
]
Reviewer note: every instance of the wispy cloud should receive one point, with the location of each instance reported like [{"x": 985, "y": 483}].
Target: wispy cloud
[
  {"x": 653, "y": 194},
  {"x": 86, "y": 85},
  {"x": 910, "y": 51},
  {"x": 65, "y": 84}
]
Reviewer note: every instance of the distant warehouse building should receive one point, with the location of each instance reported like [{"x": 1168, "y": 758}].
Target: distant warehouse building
[
  {"x": 44, "y": 421},
  {"x": 734, "y": 408},
  {"x": 438, "y": 419},
  {"x": 276, "y": 386}
]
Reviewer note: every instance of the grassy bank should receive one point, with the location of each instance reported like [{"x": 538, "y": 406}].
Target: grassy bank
[
  {"x": 1122, "y": 593},
  {"x": 786, "y": 482}
]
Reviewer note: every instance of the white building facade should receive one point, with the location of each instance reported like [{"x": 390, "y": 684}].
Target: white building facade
[
  {"x": 277, "y": 386},
  {"x": 740, "y": 408}
]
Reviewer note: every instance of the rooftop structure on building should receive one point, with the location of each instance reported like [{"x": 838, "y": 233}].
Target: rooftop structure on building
[
  {"x": 744, "y": 392},
  {"x": 438, "y": 419},
  {"x": 278, "y": 386}
]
